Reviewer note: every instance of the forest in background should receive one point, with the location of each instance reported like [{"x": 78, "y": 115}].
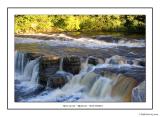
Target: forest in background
[{"x": 30, "y": 24}]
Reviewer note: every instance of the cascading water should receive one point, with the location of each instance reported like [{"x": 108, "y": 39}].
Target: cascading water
[
  {"x": 28, "y": 70},
  {"x": 26, "y": 76},
  {"x": 98, "y": 86},
  {"x": 85, "y": 86},
  {"x": 61, "y": 65},
  {"x": 20, "y": 62},
  {"x": 31, "y": 70},
  {"x": 94, "y": 82},
  {"x": 84, "y": 65},
  {"x": 35, "y": 73}
]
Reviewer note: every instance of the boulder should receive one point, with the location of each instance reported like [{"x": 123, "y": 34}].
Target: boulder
[
  {"x": 48, "y": 66},
  {"x": 137, "y": 73},
  {"x": 32, "y": 56},
  {"x": 59, "y": 79},
  {"x": 93, "y": 60},
  {"x": 72, "y": 64},
  {"x": 130, "y": 62},
  {"x": 106, "y": 38},
  {"x": 139, "y": 93},
  {"x": 140, "y": 62},
  {"x": 116, "y": 60}
]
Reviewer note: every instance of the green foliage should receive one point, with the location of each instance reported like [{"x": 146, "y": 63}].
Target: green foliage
[
  {"x": 32, "y": 23},
  {"x": 72, "y": 23},
  {"x": 82, "y": 23}
]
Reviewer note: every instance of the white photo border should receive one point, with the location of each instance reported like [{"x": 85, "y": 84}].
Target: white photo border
[{"x": 12, "y": 105}]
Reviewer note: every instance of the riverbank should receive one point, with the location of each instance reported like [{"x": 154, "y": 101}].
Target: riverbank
[{"x": 46, "y": 36}]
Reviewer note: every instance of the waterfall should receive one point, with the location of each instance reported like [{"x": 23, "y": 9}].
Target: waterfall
[
  {"x": 31, "y": 70},
  {"x": 107, "y": 88},
  {"x": 35, "y": 73},
  {"x": 28, "y": 69},
  {"x": 123, "y": 87},
  {"x": 20, "y": 62},
  {"x": 89, "y": 79},
  {"x": 61, "y": 65},
  {"x": 84, "y": 65},
  {"x": 101, "y": 87},
  {"x": 88, "y": 85}
]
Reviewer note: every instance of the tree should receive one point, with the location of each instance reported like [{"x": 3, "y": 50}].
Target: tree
[{"x": 83, "y": 23}]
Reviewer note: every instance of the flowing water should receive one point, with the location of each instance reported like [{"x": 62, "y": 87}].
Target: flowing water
[
  {"x": 87, "y": 86},
  {"x": 84, "y": 42}
]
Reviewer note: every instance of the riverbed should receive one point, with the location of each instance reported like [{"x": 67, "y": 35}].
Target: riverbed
[{"x": 62, "y": 68}]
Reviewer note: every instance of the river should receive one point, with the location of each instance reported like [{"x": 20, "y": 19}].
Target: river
[{"x": 61, "y": 68}]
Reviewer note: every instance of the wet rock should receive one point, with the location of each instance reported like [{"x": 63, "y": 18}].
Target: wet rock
[
  {"x": 110, "y": 74},
  {"x": 116, "y": 60},
  {"x": 32, "y": 56},
  {"x": 130, "y": 62},
  {"x": 49, "y": 65},
  {"x": 137, "y": 73},
  {"x": 93, "y": 60},
  {"x": 59, "y": 79},
  {"x": 107, "y": 38},
  {"x": 140, "y": 62},
  {"x": 139, "y": 93},
  {"x": 72, "y": 64}
]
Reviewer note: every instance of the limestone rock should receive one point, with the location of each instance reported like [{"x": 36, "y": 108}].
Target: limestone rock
[
  {"x": 49, "y": 65},
  {"x": 116, "y": 60},
  {"x": 137, "y": 73},
  {"x": 93, "y": 60},
  {"x": 139, "y": 93},
  {"x": 72, "y": 64},
  {"x": 58, "y": 80},
  {"x": 140, "y": 62},
  {"x": 107, "y": 38}
]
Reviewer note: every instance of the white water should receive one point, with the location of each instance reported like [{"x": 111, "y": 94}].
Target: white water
[
  {"x": 81, "y": 42},
  {"x": 61, "y": 65},
  {"x": 35, "y": 73},
  {"x": 27, "y": 70},
  {"x": 20, "y": 62},
  {"x": 78, "y": 90},
  {"x": 101, "y": 87},
  {"x": 27, "y": 75},
  {"x": 85, "y": 86}
]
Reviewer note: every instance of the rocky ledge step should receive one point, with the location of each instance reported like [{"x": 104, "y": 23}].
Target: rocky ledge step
[
  {"x": 72, "y": 64},
  {"x": 127, "y": 71},
  {"x": 139, "y": 93},
  {"x": 59, "y": 79}
]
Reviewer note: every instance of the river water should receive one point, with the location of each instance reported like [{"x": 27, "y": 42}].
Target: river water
[{"x": 87, "y": 85}]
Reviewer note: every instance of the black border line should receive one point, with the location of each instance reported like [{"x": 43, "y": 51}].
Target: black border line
[
  {"x": 7, "y": 58},
  {"x": 152, "y": 57},
  {"x": 92, "y": 102},
  {"x": 79, "y": 7}
]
